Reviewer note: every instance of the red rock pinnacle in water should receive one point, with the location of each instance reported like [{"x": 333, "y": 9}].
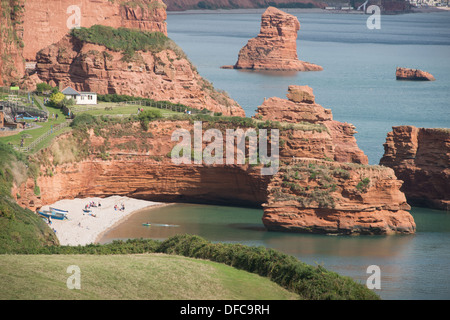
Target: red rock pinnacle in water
[{"x": 275, "y": 47}]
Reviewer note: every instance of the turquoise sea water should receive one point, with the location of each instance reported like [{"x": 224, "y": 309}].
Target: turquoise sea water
[
  {"x": 412, "y": 266},
  {"x": 358, "y": 84},
  {"x": 358, "y": 81}
]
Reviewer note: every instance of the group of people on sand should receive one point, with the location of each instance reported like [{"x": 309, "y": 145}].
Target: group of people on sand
[
  {"x": 122, "y": 207},
  {"x": 92, "y": 205}
]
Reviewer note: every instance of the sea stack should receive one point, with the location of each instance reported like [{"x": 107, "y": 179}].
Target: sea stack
[
  {"x": 275, "y": 47},
  {"x": 300, "y": 107},
  {"x": 337, "y": 194},
  {"x": 421, "y": 158},
  {"x": 413, "y": 74}
]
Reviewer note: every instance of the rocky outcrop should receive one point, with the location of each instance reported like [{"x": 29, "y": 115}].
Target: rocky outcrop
[
  {"x": 161, "y": 75},
  {"x": 29, "y": 26},
  {"x": 413, "y": 74},
  {"x": 305, "y": 195},
  {"x": 421, "y": 158},
  {"x": 316, "y": 196},
  {"x": 342, "y": 195},
  {"x": 125, "y": 160},
  {"x": 47, "y": 22},
  {"x": 301, "y": 107},
  {"x": 275, "y": 47}
]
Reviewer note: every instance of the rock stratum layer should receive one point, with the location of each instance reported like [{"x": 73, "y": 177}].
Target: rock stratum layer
[
  {"x": 12, "y": 67},
  {"x": 31, "y": 25},
  {"x": 301, "y": 107},
  {"x": 162, "y": 75},
  {"x": 307, "y": 194},
  {"x": 275, "y": 47},
  {"x": 421, "y": 158},
  {"x": 413, "y": 74},
  {"x": 47, "y": 22}
]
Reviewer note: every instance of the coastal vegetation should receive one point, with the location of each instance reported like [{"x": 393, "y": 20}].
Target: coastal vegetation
[
  {"x": 311, "y": 283},
  {"x": 19, "y": 228},
  {"x": 127, "y": 41}
]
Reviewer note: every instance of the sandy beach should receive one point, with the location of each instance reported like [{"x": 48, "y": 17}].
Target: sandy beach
[{"x": 82, "y": 228}]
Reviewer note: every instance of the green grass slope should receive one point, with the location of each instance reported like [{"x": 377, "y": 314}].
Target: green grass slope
[
  {"x": 131, "y": 277},
  {"x": 20, "y": 229}
]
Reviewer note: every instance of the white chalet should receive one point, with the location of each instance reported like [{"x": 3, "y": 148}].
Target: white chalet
[{"x": 80, "y": 97}]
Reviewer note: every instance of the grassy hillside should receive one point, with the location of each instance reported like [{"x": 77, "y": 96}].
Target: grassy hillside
[
  {"x": 139, "y": 276},
  {"x": 20, "y": 229},
  {"x": 310, "y": 283}
]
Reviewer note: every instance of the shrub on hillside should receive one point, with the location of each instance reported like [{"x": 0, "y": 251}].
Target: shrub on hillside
[{"x": 148, "y": 115}]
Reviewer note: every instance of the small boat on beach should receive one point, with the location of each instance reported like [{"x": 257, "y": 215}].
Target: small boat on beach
[
  {"x": 59, "y": 210},
  {"x": 87, "y": 210},
  {"x": 52, "y": 214}
]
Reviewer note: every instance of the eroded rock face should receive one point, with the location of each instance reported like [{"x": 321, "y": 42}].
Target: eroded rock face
[
  {"x": 47, "y": 22},
  {"x": 32, "y": 25},
  {"x": 139, "y": 165},
  {"x": 275, "y": 47},
  {"x": 413, "y": 74},
  {"x": 301, "y": 107},
  {"x": 316, "y": 196},
  {"x": 305, "y": 195},
  {"x": 165, "y": 75},
  {"x": 421, "y": 158},
  {"x": 12, "y": 67}
]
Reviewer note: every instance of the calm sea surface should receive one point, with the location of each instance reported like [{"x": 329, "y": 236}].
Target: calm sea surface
[{"x": 358, "y": 84}]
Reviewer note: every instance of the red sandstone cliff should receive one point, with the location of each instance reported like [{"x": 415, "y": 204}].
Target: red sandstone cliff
[
  {"x": 125, "y": 160},
  {"x": 301, "y": 107},
  {"x": 46, "y": 22},
  {"x": 275, "y": 47},
  {"x": 29, "y": 26},
  {"x": 164, "y": 75},
  {"x": 413, "y": 74},
  {"x": 307, "y": 195},
  {"x": 12, "y": 66},
  {"x": 421, "y": 158}
]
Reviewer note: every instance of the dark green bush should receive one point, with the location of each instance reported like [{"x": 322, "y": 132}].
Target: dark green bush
[
  {"x": 308, "y": 281},
  {"x": 148, "y": 115},
  {"x": 83, "y": 120}
]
